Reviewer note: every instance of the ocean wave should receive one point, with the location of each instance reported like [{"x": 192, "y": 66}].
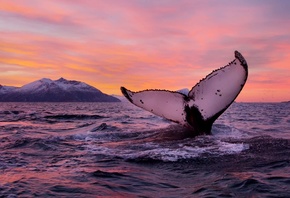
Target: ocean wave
[
  {"x": 11, "y": 112},
  {"x": 166, "y": 152},
  {"x": 73, "y": 116},
  {"x": 104, "y": 174},
  {"x": 35, "y": 144}
]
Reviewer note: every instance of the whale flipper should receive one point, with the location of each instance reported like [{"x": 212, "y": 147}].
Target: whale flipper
[{"x": 205, "y": 102}]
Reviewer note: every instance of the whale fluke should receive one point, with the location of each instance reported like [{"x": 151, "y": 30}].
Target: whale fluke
[{"x": 205, "y": 102}]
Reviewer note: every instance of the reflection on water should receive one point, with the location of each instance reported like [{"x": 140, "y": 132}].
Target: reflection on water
[{"x": 116, "y": 149}]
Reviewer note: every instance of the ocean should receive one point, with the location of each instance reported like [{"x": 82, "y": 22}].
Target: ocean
[{"x": 119, "y": 150}]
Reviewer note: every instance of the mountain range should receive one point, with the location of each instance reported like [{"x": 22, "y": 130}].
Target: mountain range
[{"x": 61, "y": 90}]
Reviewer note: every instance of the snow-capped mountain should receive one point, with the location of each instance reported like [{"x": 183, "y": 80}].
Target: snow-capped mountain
[
  {"x": 183, "y": 91},
  {"x": 6, "y": 89},
  {"x": 61, "y": 90}
]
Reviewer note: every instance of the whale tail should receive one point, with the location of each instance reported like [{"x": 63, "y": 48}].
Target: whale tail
[{"x": 205, "y": 102}]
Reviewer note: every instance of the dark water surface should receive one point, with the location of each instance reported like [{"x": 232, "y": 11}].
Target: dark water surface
[{"x": 116, "y": 149}]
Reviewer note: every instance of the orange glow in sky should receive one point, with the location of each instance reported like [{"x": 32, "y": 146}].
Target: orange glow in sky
[{"x": 146, "y": 44}]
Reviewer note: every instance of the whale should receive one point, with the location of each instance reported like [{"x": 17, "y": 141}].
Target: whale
[{"x": 203, "y": 104}]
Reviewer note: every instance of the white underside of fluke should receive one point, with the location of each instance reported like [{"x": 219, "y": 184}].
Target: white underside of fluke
[{"x": 169, "y": 105}]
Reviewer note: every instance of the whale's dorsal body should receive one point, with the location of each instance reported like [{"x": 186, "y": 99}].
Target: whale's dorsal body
[{"x": 205, "y": 102}]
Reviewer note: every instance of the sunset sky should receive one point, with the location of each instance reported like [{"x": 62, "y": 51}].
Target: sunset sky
[{"x": 143, "y": 44}]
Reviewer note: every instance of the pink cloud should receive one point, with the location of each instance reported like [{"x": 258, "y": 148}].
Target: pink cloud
[{"x": 144, "y": 44}]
